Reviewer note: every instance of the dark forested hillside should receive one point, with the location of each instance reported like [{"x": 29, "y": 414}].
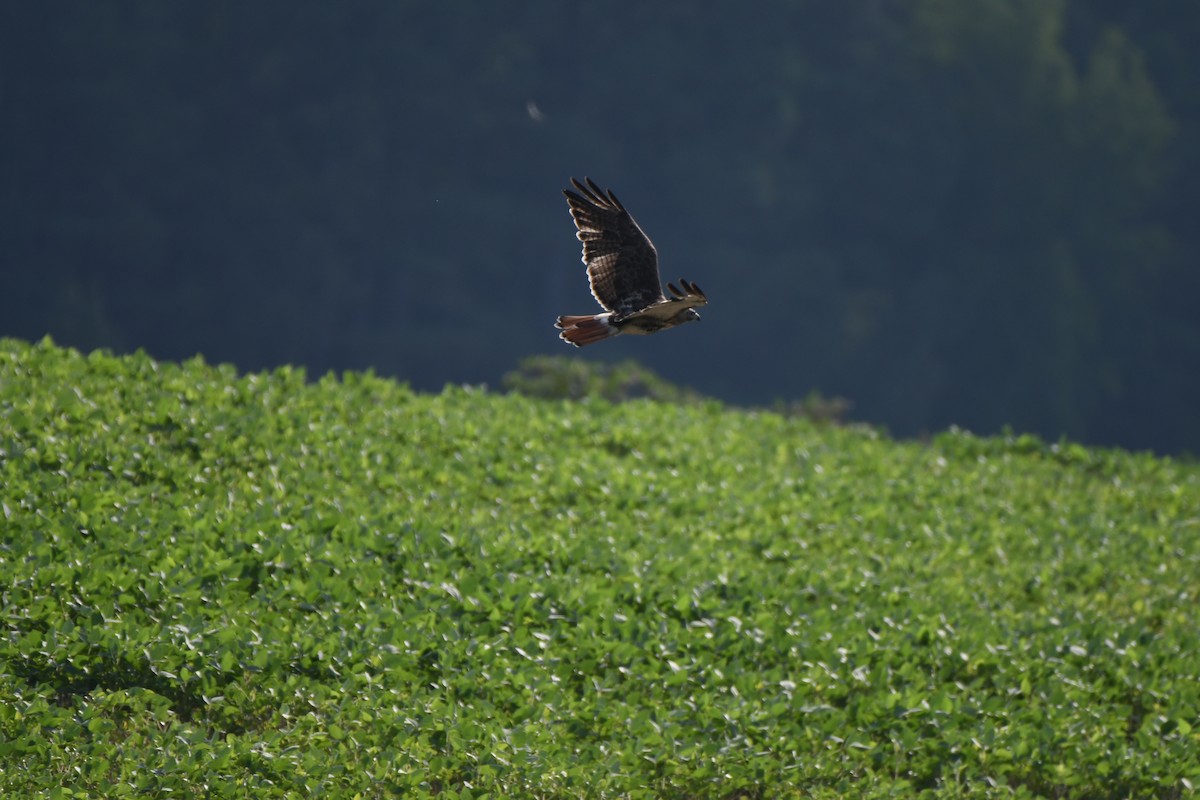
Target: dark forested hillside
[{"x": 975, "y": 213}]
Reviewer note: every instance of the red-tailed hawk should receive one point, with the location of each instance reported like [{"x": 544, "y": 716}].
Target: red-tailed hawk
[{"x": 622, "y": 268}]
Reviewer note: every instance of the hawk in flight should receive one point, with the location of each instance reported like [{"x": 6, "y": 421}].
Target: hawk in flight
[{"x": 622, "y": 268}]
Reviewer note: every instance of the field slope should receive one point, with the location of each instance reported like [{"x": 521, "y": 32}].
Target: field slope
[{"x": 254, "y": 586}]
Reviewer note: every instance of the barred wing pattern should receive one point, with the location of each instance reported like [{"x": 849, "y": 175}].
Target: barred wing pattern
[{"x": 622, "y": 264}]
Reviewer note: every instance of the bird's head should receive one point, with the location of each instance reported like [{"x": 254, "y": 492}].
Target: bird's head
[{"x": 689, "y": 294}]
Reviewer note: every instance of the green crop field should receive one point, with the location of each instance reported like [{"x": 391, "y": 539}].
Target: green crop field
[{"x": 226, "y": 585}]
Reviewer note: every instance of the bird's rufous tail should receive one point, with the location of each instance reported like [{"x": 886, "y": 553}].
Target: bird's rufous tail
[{"x": 585, "y": 329}]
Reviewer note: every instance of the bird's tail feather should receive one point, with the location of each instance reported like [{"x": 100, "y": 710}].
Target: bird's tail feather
[{"x": 585, "y": 329}]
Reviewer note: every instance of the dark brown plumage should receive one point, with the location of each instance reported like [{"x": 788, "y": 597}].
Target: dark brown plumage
[{"x": 622, "y": 268}]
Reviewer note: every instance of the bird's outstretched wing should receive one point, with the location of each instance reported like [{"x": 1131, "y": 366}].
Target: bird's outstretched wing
[
  {"x": 690, "y": 296},
  {"x": 622, "y": 264}
]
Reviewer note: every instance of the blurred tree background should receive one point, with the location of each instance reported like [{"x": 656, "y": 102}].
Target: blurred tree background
[{"x": 972, "y": 212}]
